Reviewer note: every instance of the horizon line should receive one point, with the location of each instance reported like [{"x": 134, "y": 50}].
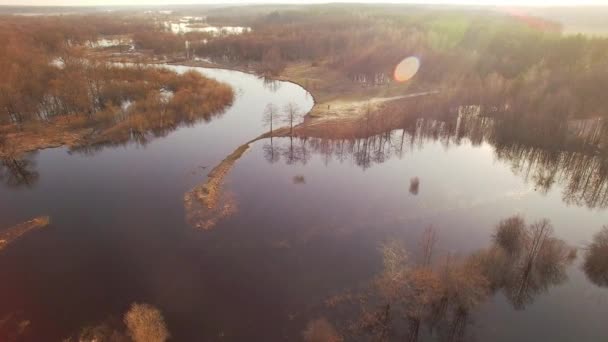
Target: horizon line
[{"x": 303, "y": 3}]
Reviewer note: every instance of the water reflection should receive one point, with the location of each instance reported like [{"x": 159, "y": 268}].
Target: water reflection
[
  {"x": 441, "y": 293},
  {"x": 19, "y": 172},
  {"x": 573, "y": 159},
  {"x": 271, "y": 84},
  {"x": 596, "y": 259},
  {"x": 528, "y": 260},
  {"x": 414, "y": 186},
  {"x": 271, "y": 152},
  {"x": 147, "y": 122}
]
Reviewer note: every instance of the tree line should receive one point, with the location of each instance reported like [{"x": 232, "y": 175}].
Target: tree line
[
  {"x": 506, "y": 61},
  {"x": 49, "y": 77}
]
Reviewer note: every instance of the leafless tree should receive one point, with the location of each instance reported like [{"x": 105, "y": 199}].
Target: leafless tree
[
  {"x": 271, "y": 113},
  {"x": 291, "y": 114}
]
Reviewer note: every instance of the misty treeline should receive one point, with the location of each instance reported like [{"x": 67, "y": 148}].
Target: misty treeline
[
  {"x": 491, "y": 54},
  {"x": 422, "y": 294},
  {"x": 47, "y": 74},
  {"x": 55, "y": 34}
]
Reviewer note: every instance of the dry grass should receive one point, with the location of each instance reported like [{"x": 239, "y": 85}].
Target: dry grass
[
  {"x": 12, "y": 234},
  {"x": 207, "y": 203},
  {"x": 337, "y": 95},
  {"x": 61, "y": 131}
]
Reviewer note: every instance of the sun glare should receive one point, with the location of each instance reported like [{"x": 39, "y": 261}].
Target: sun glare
[{"x": 407, "y": 69}]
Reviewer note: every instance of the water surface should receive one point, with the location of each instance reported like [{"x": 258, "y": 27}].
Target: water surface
[{"x": 311, "y": 216}]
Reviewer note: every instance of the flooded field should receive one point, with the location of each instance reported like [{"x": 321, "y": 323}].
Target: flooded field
[
  {"x": 309, "y": 225},
  {"x": 184, "y": 27}
]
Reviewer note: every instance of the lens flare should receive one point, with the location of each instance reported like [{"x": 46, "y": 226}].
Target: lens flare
[{"x": 407, "y": 69}]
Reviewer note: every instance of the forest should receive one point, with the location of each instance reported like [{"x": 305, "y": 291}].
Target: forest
[
  {"x": 510, "y": 65},
  {"x": 517, "y": 69},
  {"x": 53, "y": 88}
]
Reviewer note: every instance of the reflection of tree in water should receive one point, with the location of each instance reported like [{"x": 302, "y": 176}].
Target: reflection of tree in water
[
  {"x": 596, "y": 259},
  {"x": 583, "y": 176},
  {"x": 363, "y": 152},
  {"x": 295, "y": 151},
  {"x": 271, "y": 152},
  {"x": 18, "y": 172},
  {"x": 440, "y": 294},
  {"x": 526, "y": 260},
  {"x": 143, "y": 127},
  {"x": 271, "y": 84},
  {"x": 573, "y": 157}
]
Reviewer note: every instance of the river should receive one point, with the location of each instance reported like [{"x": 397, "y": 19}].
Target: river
[{"x": 311, "y": 215}]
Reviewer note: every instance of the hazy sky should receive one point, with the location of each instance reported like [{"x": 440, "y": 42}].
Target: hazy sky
[{"x": 167, "y": 2}]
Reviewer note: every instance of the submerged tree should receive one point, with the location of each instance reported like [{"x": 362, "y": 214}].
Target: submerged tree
[
  {"x": 511, "y": 234},
  {"x": 145, "y": 323},
  {"x": 523, "y": 261},
  {"x": 529, "y": 257},
  {"x": 106, "y": 331},
  {"x": 422, "y": 293},
  {"x": 596, "y": 259},
  {"x": 320, "y": 330}
]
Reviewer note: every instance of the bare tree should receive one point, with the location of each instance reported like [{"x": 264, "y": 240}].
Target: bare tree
[
  {"x": 291, "y": 113},
  {"x": 272, "y": 61},
  {"x": 271, "y": 113}
]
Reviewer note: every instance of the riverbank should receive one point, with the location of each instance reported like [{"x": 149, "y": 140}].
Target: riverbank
[
  {"x": 57, "y": 132},
  {"x": 341, "y": 109},
  {"x": 335, "y": 95},
  {"x": 132, "y": 103}
]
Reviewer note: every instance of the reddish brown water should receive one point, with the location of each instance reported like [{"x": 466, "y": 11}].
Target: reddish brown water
[{"x": 309, "y": 225}]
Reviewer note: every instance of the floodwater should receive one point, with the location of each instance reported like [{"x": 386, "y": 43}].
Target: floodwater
[
  {"x": 181, "y": 27},
  {"x": 312, "y": 214}
]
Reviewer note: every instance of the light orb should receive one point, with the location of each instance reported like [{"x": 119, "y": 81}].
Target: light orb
[{"x": 407, "y": 69}]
